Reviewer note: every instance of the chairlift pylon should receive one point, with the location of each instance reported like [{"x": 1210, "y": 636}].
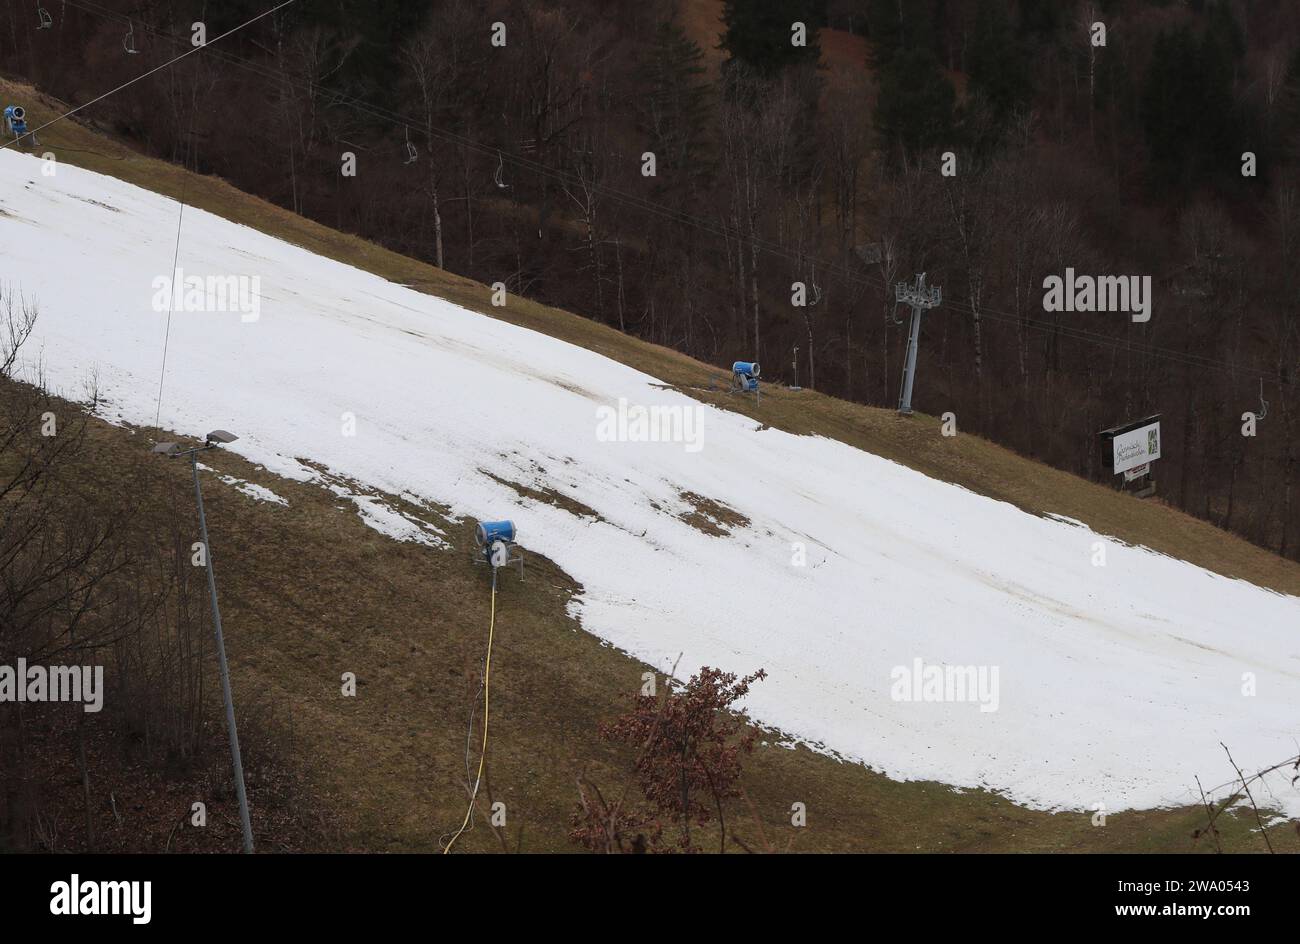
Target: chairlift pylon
[
  {"x": 47, "y": 21},
  {"x": 128, "y": 41}
]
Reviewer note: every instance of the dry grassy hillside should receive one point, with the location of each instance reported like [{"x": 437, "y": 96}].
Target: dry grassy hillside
[{"x": 309, "y": 592}]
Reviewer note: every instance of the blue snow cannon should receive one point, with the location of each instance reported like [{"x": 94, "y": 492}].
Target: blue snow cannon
[
  {"x": 16, "y": 119},
  {"x": 496, "y": 539},
  {"x": 744, "y": 375},
  {"x": 489, "y": 531}
]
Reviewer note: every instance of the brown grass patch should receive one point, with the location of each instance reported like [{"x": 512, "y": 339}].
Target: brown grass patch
[
  {"x": 710, "y": 515},
  {"x": 309, "y": 592}
]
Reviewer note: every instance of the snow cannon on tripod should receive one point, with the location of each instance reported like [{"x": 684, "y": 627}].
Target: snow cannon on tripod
[
  {"x": 744, "y": 377},
  {"x": 16, "y": 121},
  {"x": 496, "y": 541}
]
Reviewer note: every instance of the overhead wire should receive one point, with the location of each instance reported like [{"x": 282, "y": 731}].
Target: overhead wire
[
  {"x": 145, "y": 75},
  {"x": 485, "y": 686},
  {"x": 171, "y": 295},
  {"x": 763, "y": 244},
  {"x": 1069, "y": 332}
]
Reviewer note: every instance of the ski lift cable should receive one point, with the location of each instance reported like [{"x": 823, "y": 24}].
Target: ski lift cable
[
  {"x": 1185, "y": 358},
  {"x": 171, "y": 295},
  {"x": 541, "y": 169},
  {"x": 167, "y": 332},
  {"x": 560, "y": 176},
  {"x": 156, "y": 69},
  {"x": 1073, "y": 332}
]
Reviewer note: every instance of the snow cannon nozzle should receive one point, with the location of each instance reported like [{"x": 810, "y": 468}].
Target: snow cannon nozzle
[
  {"x": 489, "y": 531},
  {"x": 16, "y": 119},
  {"x": 744, "y": 377}
]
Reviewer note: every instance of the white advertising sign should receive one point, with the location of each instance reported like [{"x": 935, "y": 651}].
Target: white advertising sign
[
  {"x": 1133, "y": 474},
  {"x": 1136, "y": 447}
]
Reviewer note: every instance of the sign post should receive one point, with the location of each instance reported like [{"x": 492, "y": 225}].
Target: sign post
[{"x": 1130, "y": 449}]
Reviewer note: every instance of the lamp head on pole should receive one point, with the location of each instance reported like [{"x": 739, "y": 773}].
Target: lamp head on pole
[{"x": 215, "y": 438}]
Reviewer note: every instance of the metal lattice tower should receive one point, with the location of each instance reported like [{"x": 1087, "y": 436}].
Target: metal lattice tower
[{"x": 920, "y": 297}]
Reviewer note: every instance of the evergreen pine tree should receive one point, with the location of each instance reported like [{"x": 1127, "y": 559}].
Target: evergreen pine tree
[
  {"x": 998, "y": 63},
  {"x": 915, "y": 104},
  {"x": 895, "y": 25},
  {"x": 1189, "y": 114},
  {"x": 674, "y": 106},
  {"x": 759, "y": 32}
]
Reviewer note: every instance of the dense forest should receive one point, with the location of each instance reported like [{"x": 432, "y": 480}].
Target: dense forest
[{"x": 675, "y": 168}]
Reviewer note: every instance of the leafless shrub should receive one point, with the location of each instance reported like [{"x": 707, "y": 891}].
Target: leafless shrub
[
  {"x": 1240, "y": 787},
  {"x": 691, "y": 742},
  {"x": 17, "y": 321}
]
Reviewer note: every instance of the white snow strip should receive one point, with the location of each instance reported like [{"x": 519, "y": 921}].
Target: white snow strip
[
  {"x": 260, "y": 493},
  {"x": 1115, "y": 683},
  {"x": 251, "y": 489},
  {"x": 377, "y": 514}
]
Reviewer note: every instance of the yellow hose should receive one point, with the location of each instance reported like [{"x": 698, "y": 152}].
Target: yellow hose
[{"x": 487, "y": 680}]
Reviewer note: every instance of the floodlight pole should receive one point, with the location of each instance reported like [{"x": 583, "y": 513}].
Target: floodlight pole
[
  {"x": 920, "y": 298},
  {"x": 173, "y": 451},
  {"x": 221, "y": 659}
]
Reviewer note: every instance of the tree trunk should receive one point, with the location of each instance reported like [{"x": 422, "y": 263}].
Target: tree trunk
[{"x": 85, "y": 781}]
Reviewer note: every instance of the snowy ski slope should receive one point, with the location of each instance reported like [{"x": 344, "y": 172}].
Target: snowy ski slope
[{"x": 1115, "y": 684}]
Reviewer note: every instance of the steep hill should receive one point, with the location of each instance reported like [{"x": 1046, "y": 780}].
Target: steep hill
[{"x": 827, "y": 543}]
